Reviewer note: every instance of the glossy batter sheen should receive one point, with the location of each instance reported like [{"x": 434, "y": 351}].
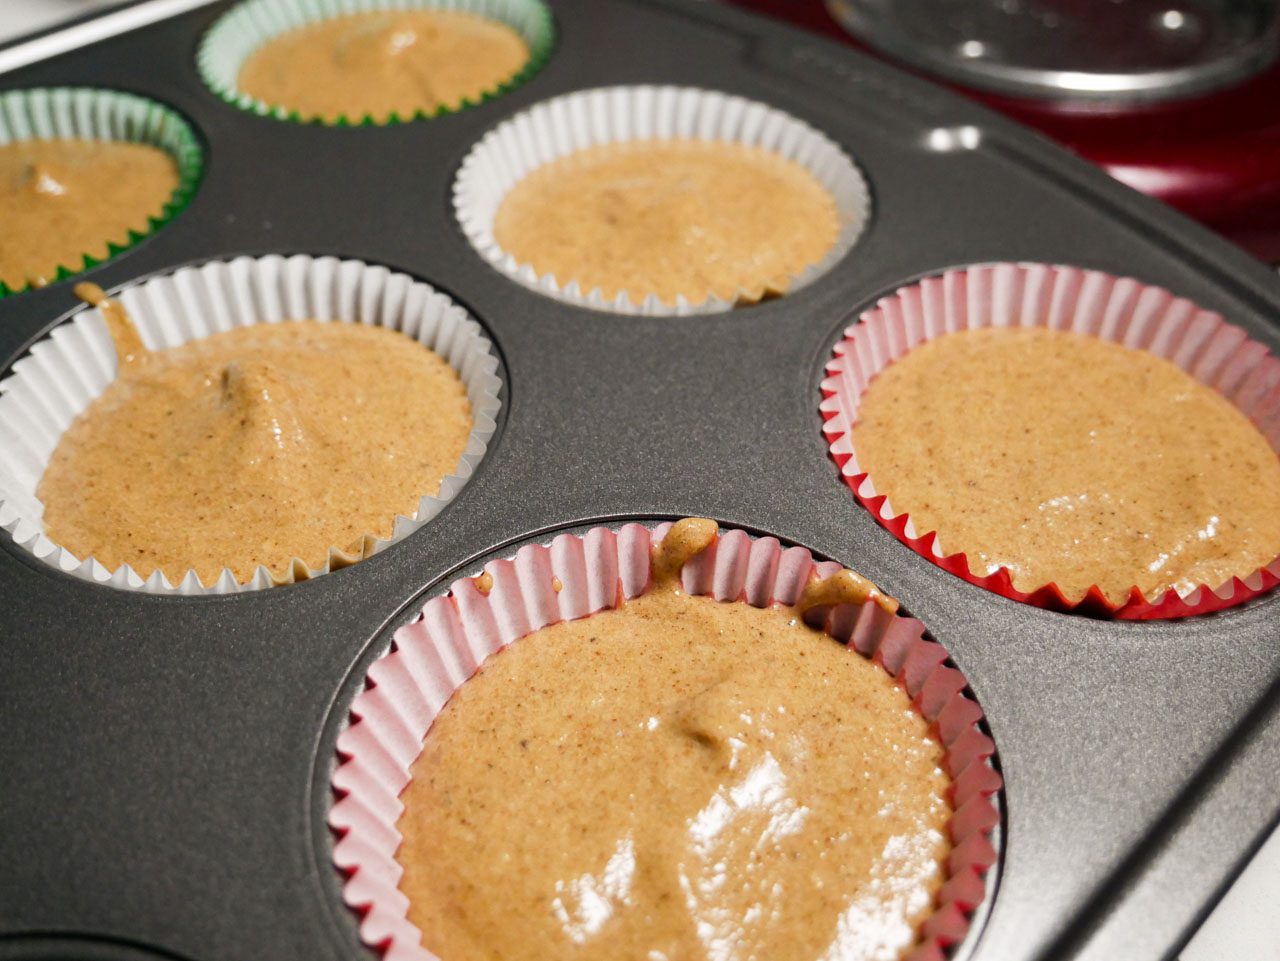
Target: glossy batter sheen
[
  {"x": 677, "y": 779},
  {"x": 62, "y": 199},
  {"x": 1070, "y": 459},
  {"x": 254, "y": 446},
  {"x": 384, "y": 62},
  {"x": 670, "y": 217}
]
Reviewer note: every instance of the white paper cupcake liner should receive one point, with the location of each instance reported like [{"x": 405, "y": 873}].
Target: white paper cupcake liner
[
  {"x": 436, "y": 653},
  {"x": 1124, "y": 311},
  {"x": 81, "y": 113},
  {"x": 589, "y": 118},
  {"x": 64, "y": 372},
  {"x": 250, "y": 24}
]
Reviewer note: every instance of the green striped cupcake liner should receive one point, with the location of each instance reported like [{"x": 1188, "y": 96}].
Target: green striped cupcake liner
[
  {"x": 47, "y": 113},
  {"x": 247, "y": 26}
]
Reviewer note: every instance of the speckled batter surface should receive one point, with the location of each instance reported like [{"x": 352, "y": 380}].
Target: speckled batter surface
[
  {"x": 1070, "y": 459},
  {"x": 675, "y": 779},
  {"x": 382, "y": 62},
  {"x": 255, "y": 446},
  {"x": 676, "y": 217},
  {"x": 63, "y": 199}
]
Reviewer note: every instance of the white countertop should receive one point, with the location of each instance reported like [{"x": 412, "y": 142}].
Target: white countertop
[
  {"x": 1246, "y": 924},
  {"x": 25, "y": 16}
]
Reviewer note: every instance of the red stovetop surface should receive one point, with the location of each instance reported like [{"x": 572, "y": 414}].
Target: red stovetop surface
[{"x": 1215, "y": 157}]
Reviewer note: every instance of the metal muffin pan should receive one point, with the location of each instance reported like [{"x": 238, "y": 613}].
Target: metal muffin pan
[{"x": 165, "y": 763}]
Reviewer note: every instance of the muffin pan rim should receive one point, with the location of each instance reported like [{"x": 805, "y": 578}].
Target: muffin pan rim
[
  {"x": 778, "y": 76},
  {"x": 56, "y": 947}
]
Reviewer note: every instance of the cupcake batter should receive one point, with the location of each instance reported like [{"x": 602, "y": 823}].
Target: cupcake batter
[
  {"x": 383, "y": 62},
  {"x": 677, "y": 779},
  {"x": 1070, "y": 459},
  {"x": 252, "y": 447},
  {"x": 673, "y": 217},
  {"x": 63, "y": 199}
]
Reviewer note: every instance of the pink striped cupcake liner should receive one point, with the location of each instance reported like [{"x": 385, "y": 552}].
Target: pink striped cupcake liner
[
  {"x": 1122, "y": 310},
  {"x": 435, "y": 654}
]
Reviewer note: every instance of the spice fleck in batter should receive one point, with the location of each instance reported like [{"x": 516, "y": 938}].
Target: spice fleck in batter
[
  {"x": 378, "y": 63},
  {"x": 63, "y": 199},
  {"x": 671, "y": 218},
  {"x": 677, "y": 779},
  {"x": 252, "y": 447},
  {"x": 1071, "y": 459}
]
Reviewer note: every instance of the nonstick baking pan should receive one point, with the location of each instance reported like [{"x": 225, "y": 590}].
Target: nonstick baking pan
[{"x": 165, "y": 762}]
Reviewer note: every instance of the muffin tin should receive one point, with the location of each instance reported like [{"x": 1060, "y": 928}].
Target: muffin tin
[{"x": 167, "y": 761}]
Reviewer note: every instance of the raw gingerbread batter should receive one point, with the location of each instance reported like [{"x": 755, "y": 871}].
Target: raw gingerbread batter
[
  {"x": 1070, "y": 459},
  {"x": 677, "y": 779},
  {"x": 384, "y": 62},
  {"x": 62, "y": 199},
  {"x": 675, "y": 217},
  {"x": 253, "y": 446}
]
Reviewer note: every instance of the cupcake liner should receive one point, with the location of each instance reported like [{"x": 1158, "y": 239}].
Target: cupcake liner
[
  {"x": 436, "y": 653},
  {"x": 48, "y": 113},
  {"x": 250, "y": 24},
  {"x": 63, "y": 373},
  {"x": 1121, "y": 310},
  {"x": 588, "y": 118}
]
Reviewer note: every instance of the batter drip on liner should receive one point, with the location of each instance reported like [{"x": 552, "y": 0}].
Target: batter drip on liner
[
  {"x": 63, "y": 199},
  {"x": 130, "y": 350},
  {"x": 1071, "y": 460},
  {"x": 676, "y": 778},
  {"x": 254, "y": 446}
]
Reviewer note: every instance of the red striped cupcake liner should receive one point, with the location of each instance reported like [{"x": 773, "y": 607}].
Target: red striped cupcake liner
[
  {"x": 434, "y": 655},
  {"x": 1122, "y": 310}
]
